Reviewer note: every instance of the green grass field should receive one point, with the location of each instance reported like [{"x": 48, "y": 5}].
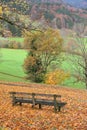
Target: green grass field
[
  {"x": 17, "y": 39},
  {"x": 11, "y": 62}
]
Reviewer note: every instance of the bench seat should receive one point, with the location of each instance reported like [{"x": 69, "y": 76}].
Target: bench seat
[{"x": 38, "y": 101}]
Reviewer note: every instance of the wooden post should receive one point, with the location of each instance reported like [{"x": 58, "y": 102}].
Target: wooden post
[
  {"x": 33, "y": 99},
  {"x": 20, "y": 103},
  {"x": 13, "y": 99},
  {"x": 59, "y": 108},
  {"x": 39, "y": 106},
  {"x": 55, "y": 103},
  {"x": 58, "y": 103}
]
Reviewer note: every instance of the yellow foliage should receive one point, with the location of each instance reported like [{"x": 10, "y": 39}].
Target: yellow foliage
[
  {"x": 48, "y": 41},
  {"x": 56, "y": 77},
  {"x": 1, "y": 10}
]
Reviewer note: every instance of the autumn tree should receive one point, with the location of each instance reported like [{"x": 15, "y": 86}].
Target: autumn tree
[
  {"x": 14, "y": 16},
  {"x": 44, "y": 48},
  {"x": 34, "y": 70}
]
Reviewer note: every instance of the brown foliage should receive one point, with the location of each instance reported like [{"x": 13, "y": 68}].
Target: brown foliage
[
  {"x": 72, "y": 117},
  {"x": 34, "y": 69}
]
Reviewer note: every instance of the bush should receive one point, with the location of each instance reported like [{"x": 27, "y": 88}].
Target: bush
[
  {"x": 56, "y": 77},
  {"x": 4, "y": 43},
  {"x": 14, "y": 45}
]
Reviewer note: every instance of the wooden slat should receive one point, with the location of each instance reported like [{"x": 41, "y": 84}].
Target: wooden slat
[
  {"x": 36, "y": 94},
  {"x": 39, "y": 101},
  {"x": 20, "y": 93}
]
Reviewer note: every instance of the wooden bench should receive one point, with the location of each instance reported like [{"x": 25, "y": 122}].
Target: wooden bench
[{"x": 37, "y": 99}]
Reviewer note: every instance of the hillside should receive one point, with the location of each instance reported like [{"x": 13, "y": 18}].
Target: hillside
[
  {"x": 59, "y": 14},
  {"x": 53, "y": 13},
  {"x": 72, "y": 116}
]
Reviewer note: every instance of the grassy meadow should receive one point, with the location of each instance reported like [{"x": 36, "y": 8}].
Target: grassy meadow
[{"x": 11, "y": 62}]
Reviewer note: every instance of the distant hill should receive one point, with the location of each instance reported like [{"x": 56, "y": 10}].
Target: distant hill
[
  {"x": 53, "y": 13},
  {"x": 77, "y": 3},
  {"x": 58, "y": 14}
]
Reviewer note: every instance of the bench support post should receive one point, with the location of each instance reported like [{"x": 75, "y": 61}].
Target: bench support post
[
  {"x": 33, "y": 99},
  {"x": 55, "y": 103},
  {"x": 13, "y": 99},
  {"x": 20, "y": 103},
  {"x": 59, "y": 108},
  {"x": 40, "y": 106}
]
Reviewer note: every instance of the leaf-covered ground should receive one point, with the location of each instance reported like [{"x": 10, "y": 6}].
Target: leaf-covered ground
[{"x": 72, "y": 117}]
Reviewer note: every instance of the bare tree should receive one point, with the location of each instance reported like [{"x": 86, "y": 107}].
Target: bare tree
[{"x": 78, "y": 59}]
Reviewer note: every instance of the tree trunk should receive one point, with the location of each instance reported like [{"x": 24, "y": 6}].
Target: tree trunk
[
  {"x": 86, "y": 84},
  {"x": 86, "y": 75}
]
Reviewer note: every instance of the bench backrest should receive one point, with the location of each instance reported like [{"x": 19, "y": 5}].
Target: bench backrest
[{"x": 35, "y": 95}]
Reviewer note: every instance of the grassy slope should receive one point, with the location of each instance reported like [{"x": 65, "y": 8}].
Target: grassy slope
[{"x": 11, "y": 63}]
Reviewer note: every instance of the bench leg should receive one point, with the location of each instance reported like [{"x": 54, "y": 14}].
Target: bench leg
[
  {"x": 55, "y": 109},
  {"x": 59, "y": 108},
  {"x": 20, "y": 103},
  {"x": 40, "y": 106},
  {"x": 13, "y": 103},
  {"x": 32, "y": 106}
]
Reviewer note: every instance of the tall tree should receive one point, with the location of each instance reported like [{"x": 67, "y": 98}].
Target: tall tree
[{"x": 44, "y": 48}]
